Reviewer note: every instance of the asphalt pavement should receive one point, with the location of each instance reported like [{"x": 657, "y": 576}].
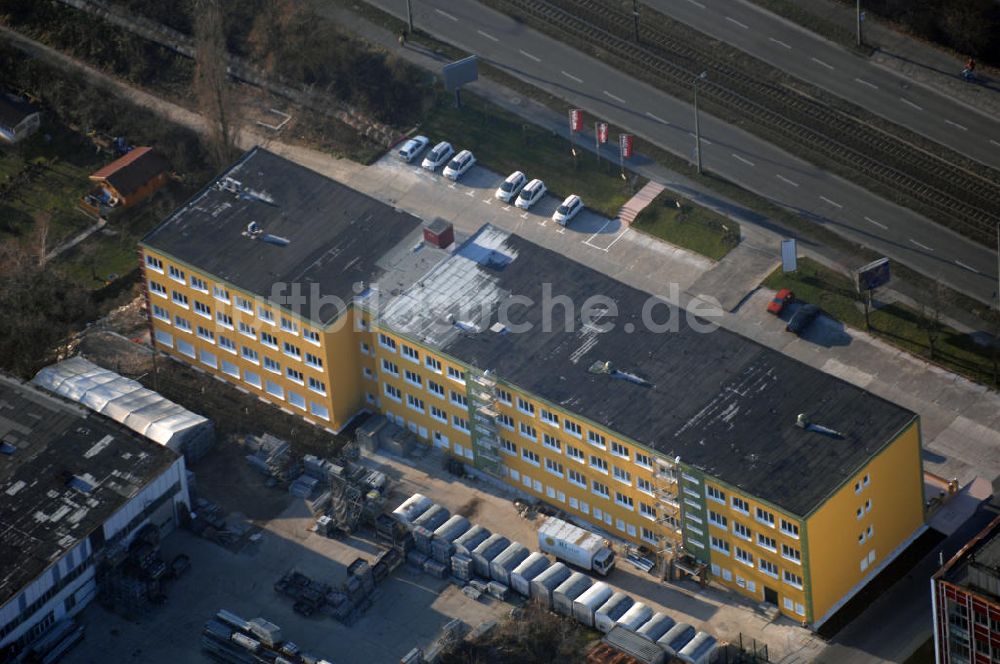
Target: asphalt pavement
[
  {"x": 811, "y": 58},
  {"x": 727, "y": 150}
]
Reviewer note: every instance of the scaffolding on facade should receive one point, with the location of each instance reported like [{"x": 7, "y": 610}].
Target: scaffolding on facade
[
  {"x": 668, "y": 514},
  {"x": 481, "y": 389}
]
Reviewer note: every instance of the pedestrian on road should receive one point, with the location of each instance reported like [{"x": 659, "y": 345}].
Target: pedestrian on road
[
  {"x": 402, "y": 39},
  {"x": 970, "y": 68}
]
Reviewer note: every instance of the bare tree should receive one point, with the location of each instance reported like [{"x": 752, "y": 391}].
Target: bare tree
[
  {"x": 930, "y": 319},
  {"x": 215, "y": 99},
  {"x": 43, "y": 225}
]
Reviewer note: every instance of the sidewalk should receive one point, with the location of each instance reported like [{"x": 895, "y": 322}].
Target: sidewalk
[{"x": 924, "y": 63}]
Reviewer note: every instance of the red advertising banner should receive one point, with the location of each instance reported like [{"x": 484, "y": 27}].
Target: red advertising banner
[
  {"x": 602, "y": 132},
  {"x": 575, "y": 119},
  {"x": 625, "y": 145}
]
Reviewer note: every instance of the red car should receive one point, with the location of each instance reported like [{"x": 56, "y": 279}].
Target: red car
[{"x": 781, "y": 299}]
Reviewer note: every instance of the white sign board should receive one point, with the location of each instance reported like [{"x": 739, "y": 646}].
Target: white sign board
[{"x": 789, "y": 261}]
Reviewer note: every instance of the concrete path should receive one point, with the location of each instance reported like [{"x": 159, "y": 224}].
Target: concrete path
[{"x": 639, "y": 202}]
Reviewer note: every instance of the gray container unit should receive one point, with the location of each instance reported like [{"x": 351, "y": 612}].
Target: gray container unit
[
  {"x": 543, "y": 585},
  {"x": 607, "y": 615},
  {"x": 591, "y": 600},
  {"x": 422, "y": 539},
  {"x": 461, "y": 566},
  {"x": 432, "y": 518},
  {"x": 448, "y": 532},
  {"x": 657, "y": 626},
  {"x": 567, "y": 592},
  {"x": 509, "y": 558},
  {"x": 484, "y": 554},
  {"x": 412, "y": 507},
  {"x": 637, "y": 616},
  {"x": 676, "y": 638},
  {"x": 523, "y": 574},
  {"x": 472, "y": 538},
  {"x": 699, "y": 650}
]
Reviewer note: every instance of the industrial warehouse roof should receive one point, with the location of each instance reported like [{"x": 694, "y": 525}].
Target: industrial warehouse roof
[
  {"x": 977, "y": 565},
  {"x": 63, "y": 472},
  {"x": 721, "y": 402},
  {"x": 309, "y": 230}
]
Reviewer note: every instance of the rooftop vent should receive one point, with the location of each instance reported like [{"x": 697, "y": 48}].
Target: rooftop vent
[
  {"x": 803, "y": 422},
  {"x": 255, "y": 232},
  {"x": 606, "y": 368}
]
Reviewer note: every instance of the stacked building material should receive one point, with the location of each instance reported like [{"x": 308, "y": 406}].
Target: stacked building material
[
  {"x": 461, "y": 566},
  {"x": 422, "y": 539}
]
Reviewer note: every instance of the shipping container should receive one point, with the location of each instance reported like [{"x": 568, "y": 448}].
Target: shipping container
[
  {"x": 509, "y": 558},
  {"x": 523, "y": 574},
  {"x": 657, "y": 626},
  {"x": 637, "y": 616},
  {"x": 484, "y": 554},
  {"x": 592, "y": 599},
  {"x": 699, "y": 650},
  {"x": 432, "y": 518},
  {"x": 607, "y": 615},
  {"x": 412, "y": 508},
  {"x": 676, "y": 638},
  {"x": 472, "y": 538},
  {"x": 543, "y": 585},
  {"x": 452, "y": 529},
  {"x": 564, "y": 596}
]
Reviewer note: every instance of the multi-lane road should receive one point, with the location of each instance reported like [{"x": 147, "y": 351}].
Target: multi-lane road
[{"x": 588, "y": 83}]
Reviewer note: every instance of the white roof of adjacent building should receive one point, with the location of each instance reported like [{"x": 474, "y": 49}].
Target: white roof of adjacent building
[{"x": 121, "y": 399}]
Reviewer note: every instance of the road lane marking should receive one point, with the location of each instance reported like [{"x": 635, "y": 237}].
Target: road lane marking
[
  {"x": 833, "y": 203},
  {"x": 995, "y": 143},
  {"x": 956, "y": 125},
  {"x": 744, "y": 160},
  {"x": 864, "y": 82},
  {"x": 820, "y": 62},
  {"x": 910, "y": 103},
  {"x": 615, "y": 97},
  {"x": 780, "y": 43},
  {"x": 733, "y": 20},
  {"x": 697, "y": 4},
  {"x": 571, "y": 77},
  {"x": 872, "y": 221},
  {"x": 488, "y": 35},
  {"x": 921, "y": 245},
  {"x": 970, "y": 269},
  {"x": 529, "y": 55},
  {"x": 446, "y": 15},
  {"x": 786, "y": 180},
  {"x": 657, "y": 118}
]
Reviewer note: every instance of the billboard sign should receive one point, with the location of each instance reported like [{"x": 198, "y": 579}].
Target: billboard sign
[
  {"x": 873, "y": 275},
  {"x": 575, "y": 119},
  {"x": 602, "y": 132},
  {"x": 625, "y": 145},
  {"x": 460, "y": 72},
  {"x": 789, "y": 258}
]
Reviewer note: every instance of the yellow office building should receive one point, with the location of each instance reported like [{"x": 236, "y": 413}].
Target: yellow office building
[{"x": 789, "y": 485}]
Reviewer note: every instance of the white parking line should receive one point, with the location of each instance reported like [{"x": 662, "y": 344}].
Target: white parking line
[
  {"x": 451, "y": 186},
  {"x": 488, "y": 35},
  {"x": 786, "y": 180},
  {"x": 779, "y": 42},
  {"x": 697, "y": 4},
  {"x": 571, "y": 77},
  {"x": 446, "y": 15},
  {"x": 910, "y": 103},
  {"x": 615, "y": 97},
  {"x": 820, "y": 62},
  {"x": 956, "y": 125},
  {"x": 488, "y": 201},
  {"x": 921, "y": 245},
  {"x": 970, "y": 269},
  {"x": 864, "y": 82},
  {"x": 529, "y": 55},
  {"x": 524, "y": 216},
  {"x": 657, "y": 118},
  {"x": 833, "y": 203},
  {"x": 470, "y": 193},
  {"x": 733, "y": 20},
  {"x": 596, "y": 233},
  {"x": 743, "y": 159},
  {"x": 506, "y": 208},
  {"x": 880, "y": 225}
]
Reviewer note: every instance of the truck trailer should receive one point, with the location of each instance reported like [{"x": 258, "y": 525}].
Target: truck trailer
[{"x": 576, "y": 546}]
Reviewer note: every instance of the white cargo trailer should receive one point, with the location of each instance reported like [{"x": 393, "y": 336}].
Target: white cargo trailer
[
  {"x": 506, "y": 561},
  {"x": 657, "y": 626},
  {"x": 543, "y": 585},
  {"x": 637, "y": 616},
  {"x": 676, "y": 638},
  {"x": 576, "y": 546},
  {"x": 608, "y": 614},
  {"x": 591, "y": 600},
  {"x": 564, "y": 596},
  {"x": 523, "y": 574},
  {"x": 699, "y": 650},
  {"x": 412, "y": 507},
  {"x": 484, "y": 554}
]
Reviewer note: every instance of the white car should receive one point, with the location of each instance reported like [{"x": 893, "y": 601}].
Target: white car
[
  {"x": 438, "y": 156},
  {"x": 531, "y": 194},
  {"x": 511, "y": 187},
  {"x": 569, "y": 209},
  {"x": 412, "y": 148},
  {"x": 462, "y": 162}
]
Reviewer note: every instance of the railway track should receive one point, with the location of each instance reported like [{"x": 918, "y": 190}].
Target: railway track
[{"x": 947, "y": 189}]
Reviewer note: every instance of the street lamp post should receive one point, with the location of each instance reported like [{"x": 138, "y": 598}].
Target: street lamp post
[
  {"x": 697, "y": 124},
  {"x": 858, "y": 5},
  {"x": 635, "y": 19},
  {"x": 409, "y": 15}
]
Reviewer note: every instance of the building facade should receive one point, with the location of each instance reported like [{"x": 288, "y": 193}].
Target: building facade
[
  {"x": 965, "y": 596},
  {"x": 692, "y": 449}
]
